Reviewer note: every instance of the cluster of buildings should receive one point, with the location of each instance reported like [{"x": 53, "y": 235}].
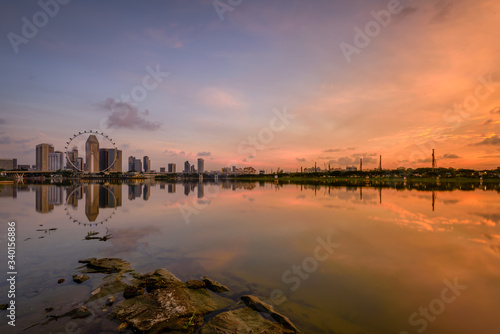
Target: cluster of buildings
[
  {"x": 138, "y": 165},
  {"x": 236, "y": 170},
  {"x": 94, "y": 160},
  {"x": 188, "y": 168}
]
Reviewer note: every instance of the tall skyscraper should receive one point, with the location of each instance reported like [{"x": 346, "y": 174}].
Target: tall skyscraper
[
  {"x": 146, "y": 164},
  {"x": 117, "y": 166},
  {"x": 131, "y": 161},
  {"x": 138, "y": 165},
  {"x": 79, "y": 163},
  {"x": 187, "y": 167},
  {"x": 134, "y": 164},
  {"x": 110, "y": 160},
  {"x": 56, "y": 161},
  {"x": 71, "y": 159},
  {"x": 42, "y": 156},
  {"x": 92, "y": 154},
  {"x": 171, "y": 168},
  {"x": 201, "y": 166}
]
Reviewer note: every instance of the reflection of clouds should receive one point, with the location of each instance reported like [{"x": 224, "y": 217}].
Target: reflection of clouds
[
  {"x": 494, "y": 217},
  {"x": 126, "y": 240},
  {"x": 421, "y": 221},
  {"x": 450, "y": 201}
]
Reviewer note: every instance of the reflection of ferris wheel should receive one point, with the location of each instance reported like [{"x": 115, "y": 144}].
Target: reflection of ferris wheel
[
  {"x": 79, "y": 189},
  {"x": 90, "y": 143}
]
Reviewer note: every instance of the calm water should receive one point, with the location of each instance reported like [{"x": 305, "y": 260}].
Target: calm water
[{"x": 392, "y": 253}]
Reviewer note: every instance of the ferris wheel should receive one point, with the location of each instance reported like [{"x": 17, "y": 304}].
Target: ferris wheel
[
  {"x": 91, "y": 144},
  {"x": 77, "y": 194}
]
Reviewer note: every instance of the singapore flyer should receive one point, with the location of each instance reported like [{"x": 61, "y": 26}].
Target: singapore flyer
[
  {"x": 91, "y": 152},
  {"x": 95, "y": 206}
]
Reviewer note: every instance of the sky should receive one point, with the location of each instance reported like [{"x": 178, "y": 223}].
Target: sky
[{"x": 268, "y": 84}]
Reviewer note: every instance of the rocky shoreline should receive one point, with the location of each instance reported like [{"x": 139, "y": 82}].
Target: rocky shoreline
[{"x": 159, "y": 302}]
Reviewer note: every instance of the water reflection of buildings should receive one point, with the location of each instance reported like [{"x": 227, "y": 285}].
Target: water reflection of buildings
[
  {"x": 201, "y": 190},
  {"x": 96, "y": 197},
  {"x": 92, "y": 202},
  {"x": 147, "y": 192},
  {"x": 47, "y": 197},
  {"x": 134, "y": 191}
]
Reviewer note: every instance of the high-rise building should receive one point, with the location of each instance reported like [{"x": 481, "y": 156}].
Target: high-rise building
[
  {"x": 131, "y": 160},
  {"x": 92, "y": 154},
  {"x": 8, "y": 164},
  {"x": 134, "y": 164},
  {"x": 104, "y": 160},
  {"x": 193, "y": 169},
  {"x": 110, "y": 160},
  {"x": 42, "y": 156},
  {"x": 201, "y": 166},
  {"x": 79, "y": 163},
  {"x": 117, "y": 166},
  {"x": 138, "y": 165},
  {"x": 171, "y": 168},
  {"x": 71, "y": 159},
  {"x": 187, "y": 167},
  {"x": 56, "y": 161},
  {"x": 162, "y": 169},
  {"x": 146, "y": 164}
]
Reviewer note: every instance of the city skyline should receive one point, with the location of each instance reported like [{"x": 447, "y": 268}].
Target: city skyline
[{"x": 285, "y": 84}]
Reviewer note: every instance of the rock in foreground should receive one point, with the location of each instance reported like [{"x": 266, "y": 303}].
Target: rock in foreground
[{"x": 159, "y": 302}]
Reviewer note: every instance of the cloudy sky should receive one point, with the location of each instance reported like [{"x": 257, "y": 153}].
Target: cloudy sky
[{"x": 274, "y": 83}]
